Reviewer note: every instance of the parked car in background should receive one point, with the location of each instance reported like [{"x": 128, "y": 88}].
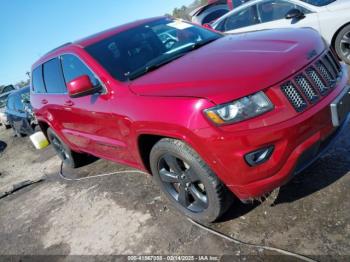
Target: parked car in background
[
  {"x": 4, "y": 93},
  {"x": 209, "y": 115},
  {"x": 331, "y": 18},
  {"x": 19, "y": 112},
  {"x": 213, "y": 10},
  {"x": 7, "y": 89}
]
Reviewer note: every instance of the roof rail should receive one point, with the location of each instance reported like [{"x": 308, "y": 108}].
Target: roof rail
[{"x": 57, "y": 48}]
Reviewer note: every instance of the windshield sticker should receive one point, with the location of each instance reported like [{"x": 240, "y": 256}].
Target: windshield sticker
[{"x": 179, "y": 25}]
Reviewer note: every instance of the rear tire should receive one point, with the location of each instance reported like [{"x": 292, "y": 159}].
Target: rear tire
[
  {"x": 68, "y": 156},
  {"x": 342, "y": 44},
  {"x": 187, "y": 181}
]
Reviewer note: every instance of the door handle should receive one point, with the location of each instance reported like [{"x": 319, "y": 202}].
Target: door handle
[
  {"x": 68, "y": 103},
  {"x": 44, "y": 101}
]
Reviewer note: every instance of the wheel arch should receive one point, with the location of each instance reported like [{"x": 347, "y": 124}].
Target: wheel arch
[{"x": 336, "y": 34}]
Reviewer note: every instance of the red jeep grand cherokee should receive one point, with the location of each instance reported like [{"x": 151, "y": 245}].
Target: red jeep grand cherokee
[{"x": 201, "y": 111}]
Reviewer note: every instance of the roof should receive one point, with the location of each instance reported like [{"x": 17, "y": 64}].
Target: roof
[{"x": 84, "y": 42}]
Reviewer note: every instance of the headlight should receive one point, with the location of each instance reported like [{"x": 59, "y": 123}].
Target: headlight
[{"x": 239, "y": 110}]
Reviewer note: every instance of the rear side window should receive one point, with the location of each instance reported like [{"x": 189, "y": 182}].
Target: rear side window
[
  {"x": 8, "y": 89},
  {"x": 53, "y": 77},
  {"x": 73, "y": 67},
  {"x": 37, "y": 80},
  {"x": 11, "y": 103},
  {"x": 18, "y": 103}
]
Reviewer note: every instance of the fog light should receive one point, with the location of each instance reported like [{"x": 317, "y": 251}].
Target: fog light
[{"x": 259, "y": 156}]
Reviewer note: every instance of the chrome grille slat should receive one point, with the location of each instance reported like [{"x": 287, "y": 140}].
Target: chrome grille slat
[
  {"x": 329, "y": 67},
  {"x": 335, "y": 61},
  {"x": 307, "y": 88},
  {"x": 294, "y": 96},
  {"x": 334, "y": 66}
]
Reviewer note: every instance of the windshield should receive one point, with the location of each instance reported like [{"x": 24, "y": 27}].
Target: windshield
[
  {"x": 130, "y": 54},
  {"x": 319, "y": 2},
  {"x": 3, "y": 100}
]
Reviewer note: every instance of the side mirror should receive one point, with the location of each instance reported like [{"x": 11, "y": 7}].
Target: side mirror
[
  {"x": 295, "y": 14},
  {"x": 208, "y": 26},
  {"x": 81, "y": 86}
]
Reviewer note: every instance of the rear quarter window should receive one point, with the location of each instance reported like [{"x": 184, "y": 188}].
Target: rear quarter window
[{"x": 38, "y": 85}]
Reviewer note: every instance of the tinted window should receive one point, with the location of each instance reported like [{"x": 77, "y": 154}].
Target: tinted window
[
  {"x": 214, "y": 15},
  {"x": 126, "y": 54},
  {"x": 37, "y": 80},
  {"x": 8, "y": 89},
  {"x": 245, "y": 17},
  {"x": 73, "y": 67},
  {"x": 53, "y": 77},
  {"x": 10, "y": 103},
  {"x": 276, "y": 9},
  {"x": 318, "y": 2},
  {"x": 18, "y": 103}
]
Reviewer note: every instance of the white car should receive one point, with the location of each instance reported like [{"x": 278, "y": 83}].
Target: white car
[{"x": 329, "y": 17}]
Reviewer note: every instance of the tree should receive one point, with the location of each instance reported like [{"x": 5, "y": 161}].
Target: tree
[{"x": 184, "y": 11}]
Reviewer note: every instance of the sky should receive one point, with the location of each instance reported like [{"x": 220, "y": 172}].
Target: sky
[{"x": 30, "y": 28}]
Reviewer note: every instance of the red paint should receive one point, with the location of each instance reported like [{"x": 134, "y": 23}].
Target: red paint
[
  {"x": 79, "y": 85},
  {"x": 170, "y": 101}
]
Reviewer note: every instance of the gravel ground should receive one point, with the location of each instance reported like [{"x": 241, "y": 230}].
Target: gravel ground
[{"x": 125, "y": 214}]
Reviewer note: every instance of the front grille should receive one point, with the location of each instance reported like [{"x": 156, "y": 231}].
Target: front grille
[{"x": 308, "y": 87}]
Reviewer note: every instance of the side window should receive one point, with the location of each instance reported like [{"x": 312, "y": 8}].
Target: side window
[
  {"x": 214, "y": 15},
  {"x": 37, "y": 80},
  {"x": 73, "y": 67},
  {"x": 8, "y": 88},
  {"x": 18, "y": 103},
  {"x": 245, "y": 17},
  {"x": 276, "y": 10},
  {"x": 10, "y": 103},
  {"x": 53, "y": 77}
]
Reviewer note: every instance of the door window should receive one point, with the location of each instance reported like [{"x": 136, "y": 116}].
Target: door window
[
  {"x": 73, "y": 67},
  {"x": 53, "y": 77},
  {"x": 276, "y": 10},
  {"x": 18, "y": 104},
  {"x": 243, "y": 18},
  {"x": 37, "y": 80},
  {"x": 8, "y": 89},
  {"x": 10, "y": 103}
]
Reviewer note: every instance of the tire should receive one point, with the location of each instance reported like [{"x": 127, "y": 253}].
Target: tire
[
  {"x": 342, "y": 44},
  {"x": 187, "y": 181},
  {"x": 68, "y": 156}
]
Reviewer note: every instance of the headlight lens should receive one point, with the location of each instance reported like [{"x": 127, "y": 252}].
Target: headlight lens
[{"x": 239, "y": 110}]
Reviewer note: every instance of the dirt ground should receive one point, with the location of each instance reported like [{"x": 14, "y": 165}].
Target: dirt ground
[{"x": 126, "y": 214}]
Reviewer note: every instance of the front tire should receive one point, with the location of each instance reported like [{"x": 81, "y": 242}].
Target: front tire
[
  {"x": 342, "y": 44},
  {"x": 187, "y": 181}
]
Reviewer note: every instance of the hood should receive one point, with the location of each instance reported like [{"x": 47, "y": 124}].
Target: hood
[{"x": 233, "y": 66}]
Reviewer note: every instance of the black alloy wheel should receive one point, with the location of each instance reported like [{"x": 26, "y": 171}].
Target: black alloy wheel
[{"x": 182, "y": 183}]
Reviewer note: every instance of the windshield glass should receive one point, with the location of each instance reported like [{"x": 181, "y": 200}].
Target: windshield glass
[
  {"x": 3, "y": 100},
  {"x": 130, "y": 54},
  {"x": 319, "y": 2}
]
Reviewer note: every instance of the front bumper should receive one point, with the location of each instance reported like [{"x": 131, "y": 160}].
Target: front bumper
[{"x": 297, "y": 142}]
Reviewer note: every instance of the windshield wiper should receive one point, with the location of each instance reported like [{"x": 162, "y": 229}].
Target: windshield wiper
[{"x": 152, "y": 65}]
